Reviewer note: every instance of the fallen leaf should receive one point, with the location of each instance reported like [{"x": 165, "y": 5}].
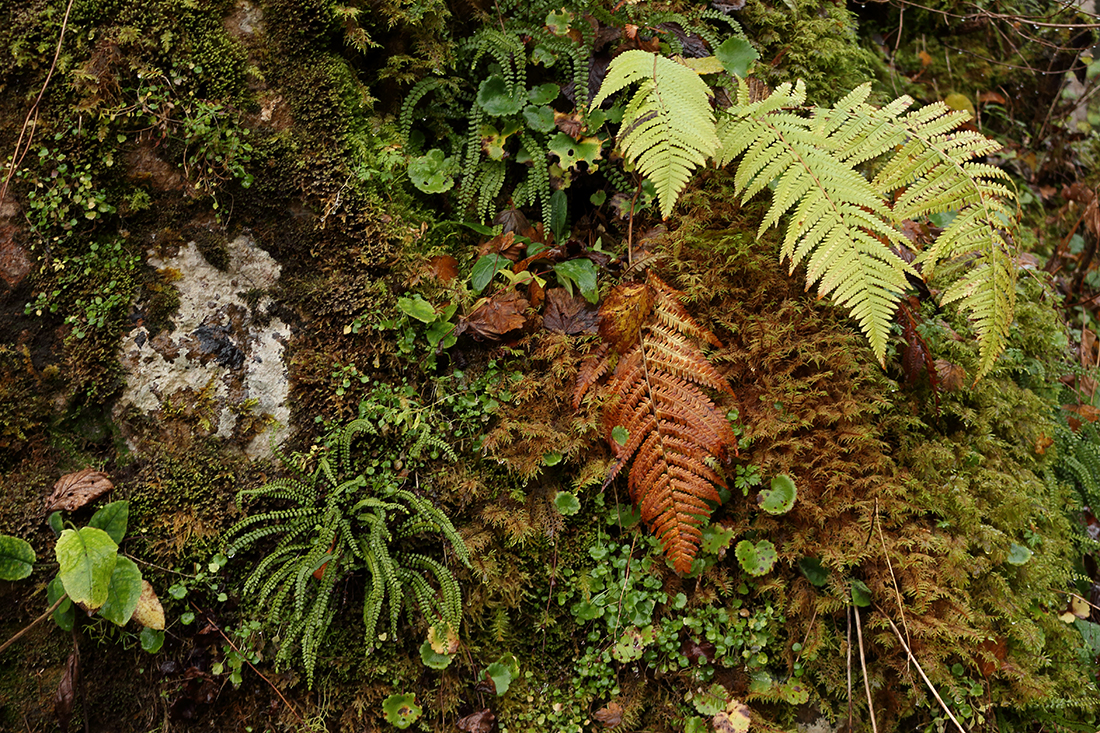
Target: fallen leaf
[
  {"x": 443, "y": 268},
  {"x": 149, "y": 612},
  {"x": 495, "y": 317},
  {"x": 479, "y": 722},
  {"x": 925, "y": 58},
  {"x": 505, "y": 245},
  {"x": 1047, "y": 192},
  {"x": 512, "y": 220},
  {"x": 569, "y": 314},
  {"x": 734, "y": 719},
  {"x": 570, "y": 124},
  {"x": 74, "y": 490},
  {"x": 610, "y": 715},
  {"x": 991, "y": 98},
  {"x": 623, "y": 312},
  {"x": 66, "y": 691},
  {"x": 951, "y": 376},
  {"x": 1042, "y": 443},
  {"x": 995, "y": 648},
  {"x": 1079, "y": 192}
]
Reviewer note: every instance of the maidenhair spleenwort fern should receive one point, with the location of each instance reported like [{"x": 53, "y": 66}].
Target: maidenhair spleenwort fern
[
  {"x": 846, "y": 227},
  {"x": 349, "y": 518}
]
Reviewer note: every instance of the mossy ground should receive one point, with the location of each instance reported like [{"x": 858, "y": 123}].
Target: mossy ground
[{"x": 918, "y": 497}]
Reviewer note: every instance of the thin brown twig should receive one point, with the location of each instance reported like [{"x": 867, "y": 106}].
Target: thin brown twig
[
  {"x": 250, "y": 665},
  {"x": 17, "y": 156},
  {"x": 34, "y": 623},
  {"x": 848, "y": 618},
  {"x": 863, "y": 666},
  {"x": 922, "y": 674},
  {"x": 893, "y": 578}
]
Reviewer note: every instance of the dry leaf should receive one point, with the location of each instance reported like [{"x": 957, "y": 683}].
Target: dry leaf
[
  {"x": 569, "y": 314},
  {"x": 570, "y": 124},
  {"x": 74, "y": 490},
  {"x": 734, "y": 719},
  {"x": 623, "y": 312},
  {"x": 66, "y": 691},
  {"x": 443, "y": 639},
  {"x": 479, "y": 722},
  {"x": 995, "y": 648},
  {"x": 609, "y": 715},
  {"x": 951, "y": 376},
  {"x": 925, "y": 58},
  {"x": 149, "y": 612},
  {"x": 991, "y": 98},
  {"x": 443, "y": 268},
  {"x": 1042, "y": 443},
  {"x": 504, "y": 245},
  {"x": 495, "y": 317}
]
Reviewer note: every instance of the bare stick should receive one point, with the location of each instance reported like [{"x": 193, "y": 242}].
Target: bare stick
[
  {"x": 34, "y": 623},
  {"x": 923, "y": 675},
  {"x": 16, "y": 157},
  {"x": 863, "y": 666},
  {"x": 848, "y": 618},
  {"x": 250, "y": 665},
  {"x": 893, "y": 578}
]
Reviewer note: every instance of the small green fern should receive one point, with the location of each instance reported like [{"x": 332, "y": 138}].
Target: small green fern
[
  {"x": 845, "y": 228},
  {"x": 348, "y": 517}
]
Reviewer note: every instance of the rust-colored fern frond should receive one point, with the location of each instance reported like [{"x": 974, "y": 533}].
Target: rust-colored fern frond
[{"x": 674, "y": 433}]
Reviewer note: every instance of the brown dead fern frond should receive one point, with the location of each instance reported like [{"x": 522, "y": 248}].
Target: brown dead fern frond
[{"x": 674, "y": 433}]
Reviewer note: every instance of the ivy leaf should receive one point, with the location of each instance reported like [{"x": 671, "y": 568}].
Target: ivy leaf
[
  {"x": 123, "y": 592},
  {"x": 151, "y": 640},
  {"x": 16, "y": 558},
  {"x": 497, "y": 99},
  {"x": 736, "y": 55},
  {"x": 619, "y": 434},
  {"x": 112, "y": 519},
  {"x": 87, "y": 558},
  {"x": 780, "y": 497}
]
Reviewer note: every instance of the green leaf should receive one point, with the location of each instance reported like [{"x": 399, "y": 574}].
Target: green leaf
[
  {"x": 558, "y": 21},
  {"x": 814, "y": 571},
  {"x": 122, "y": 593},
  {"x": 780, "y": 497},
  {"x": 756, "y": 559},
  {"x": 695, "y": 724},
  {"x": 632, "y": 643},
  {"x": 794, "y": 692},
  {"x": 540, "y": 119},
  {"x": 544, "y": 94},
  {"x": 861, "y": 594},
  {"x": 559, "y": 214},
  {"x": 417, "y": 308},
  {"x": 1018, "y": 554},
  {"x": 16, "y": 558},
  {"x": 64, "y": 615},
  {"x": 582, "y": 272},
  {"x": 711, "y": 700},
  {"x": 497, "y": 99},
  {"x": 566, "y": 503},
  {"x": 551, "y": 458},
  {"x": 151, "y": 640},
  {"x": 401, "y": 711},
  {"x": 586, "y": 610},
  {"x": 736, "y": 55},
  {"x": 485, "y": 269},
  {"x": 620, "y": 434},
  {"x": 431, "y": 658},
  {"x": 1090, "y": 633},
  {"x": 112, "y": 519},
  {"x": 502, "y": 672},
  {"x": 571, "y": 152},
  {"x": 432, "y": 172},
  {"x": 87, "y": 558},
  {"x": 56, "y": 523},
  {"x": 716, "y": 538}
]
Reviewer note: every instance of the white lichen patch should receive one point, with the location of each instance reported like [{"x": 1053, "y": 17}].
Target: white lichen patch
[{"x": 222, "y": 351}]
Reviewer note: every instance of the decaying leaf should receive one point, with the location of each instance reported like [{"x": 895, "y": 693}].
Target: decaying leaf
[
  {"x": 149, "y": 612},
  {"x": 504, "y": 245},
  {"x": 66, "y": 691},
  {"x": 610, "y": 715},
  {"x": 74, "y": 490},
  {"x": 569, "y": 314},
  {"x": 623, "y": 312},
  {"x": 495, "y": 317},
  {"x": 479, "y": 722},
  {"x": 951, "y": 376},
  {"x": 734, "y": 719},
  {"x": 443, "y": 639}
]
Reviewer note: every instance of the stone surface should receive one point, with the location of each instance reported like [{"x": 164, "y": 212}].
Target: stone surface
[{"x": 222, "y": 351}]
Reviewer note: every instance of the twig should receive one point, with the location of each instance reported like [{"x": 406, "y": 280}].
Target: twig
[
  {"x": 922, "y": 674},
  {"x": 250, "y": 665},
  {"x": 848, "y": 618},
  {"x": 34, "y": 623},
  {"x": 863, "y": 666},
  {"x": 17, "y": 157},
  {"x": 893, "y": 578}
]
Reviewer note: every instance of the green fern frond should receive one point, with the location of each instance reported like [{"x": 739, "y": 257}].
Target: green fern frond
[{"x": 668, "y": 126}]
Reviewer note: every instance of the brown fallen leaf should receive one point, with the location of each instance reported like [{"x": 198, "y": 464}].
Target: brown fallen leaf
[
  {"x": 443, "y": 268},
  {"x": 66, "y": 691},
  {"x": 991, "y": 98},
  {"x": 569, "y": 314},
  {"x": 1042, "y": 443},
  {"x": 74, "y": 490},
  {"x": 951, "y": 376},
  {"x": 479, "y": 722},
  {"x": 504, "y": 245},
  {"x": 570, "y": 124},
  {"x": 610, "y": 715},
  {"x": 996, "y": 649},
  {"x": 495, "y": 317}
]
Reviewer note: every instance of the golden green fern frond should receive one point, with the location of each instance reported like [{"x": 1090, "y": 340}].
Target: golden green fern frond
[
  {"x": 668, "y": 126},
  {"x": 930, "y": 165},
  {"x": 840, "y": 225}
]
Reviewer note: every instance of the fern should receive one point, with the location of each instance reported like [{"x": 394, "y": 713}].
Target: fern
[
  {"x": 668, "y": 127},
  {"x": 674, "y": 432},
  {"x": 349, "y": 519}
]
